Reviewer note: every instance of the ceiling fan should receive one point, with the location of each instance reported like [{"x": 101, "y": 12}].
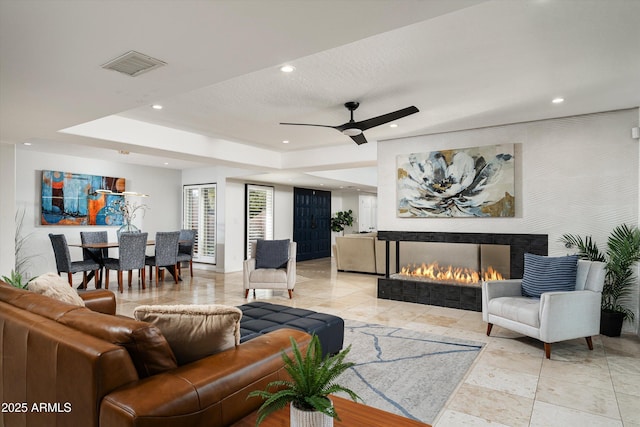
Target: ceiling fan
[{"x": 354, "y": 129}]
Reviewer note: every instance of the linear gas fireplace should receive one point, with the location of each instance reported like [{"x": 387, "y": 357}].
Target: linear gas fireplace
[{"x": 447, "y": 269}]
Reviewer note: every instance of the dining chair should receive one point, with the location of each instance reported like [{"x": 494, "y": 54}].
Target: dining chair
[
  {"x": 185, "y": 249},
  {"x": 64, "y": 263},
  {"x": 131, "y": 257},
  {"x": 95, "y": 254},
  {"x": 94, "y": 237},
  {"x": 166, "y": 254}
]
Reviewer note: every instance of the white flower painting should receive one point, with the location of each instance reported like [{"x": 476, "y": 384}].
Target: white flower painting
[{"x": 468, "y": 182}]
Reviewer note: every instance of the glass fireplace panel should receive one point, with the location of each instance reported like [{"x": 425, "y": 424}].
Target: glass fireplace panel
[
  {"x": 496, "y": 256},
  {"x": 462, "y": 263},
  {"x": 463, "y": 255}
]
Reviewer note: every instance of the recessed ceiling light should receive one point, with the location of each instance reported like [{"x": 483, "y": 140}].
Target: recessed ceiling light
[
  {"x": 287, "y": 68},
  {"x": 557, "y": 100},
  {"x": 166, "y": 163},
  {"x": 156, "y": 107},
  {"x": 26, "y": 143},
  {"x": 393, "y": 125},
  {"x": 285, "y": 142}
]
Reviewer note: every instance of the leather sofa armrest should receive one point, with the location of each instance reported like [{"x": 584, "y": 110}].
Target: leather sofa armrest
[
  {"x": 214, "y": 388},
  {"x": 100, "y": 300}
]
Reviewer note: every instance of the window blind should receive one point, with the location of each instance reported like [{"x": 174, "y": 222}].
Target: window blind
[
  {"x": 199, "y": 213},
  {"x": 259, "y": 215}
]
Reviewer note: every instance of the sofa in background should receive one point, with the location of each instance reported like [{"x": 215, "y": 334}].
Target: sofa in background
[{"x": 95, "y": 369}]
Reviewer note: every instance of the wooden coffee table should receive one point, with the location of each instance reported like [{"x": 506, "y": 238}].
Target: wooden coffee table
[{"x": 351, "y": 413}]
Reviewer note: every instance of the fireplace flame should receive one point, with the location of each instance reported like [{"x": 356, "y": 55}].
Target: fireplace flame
[{"x": 450, "y": 274}]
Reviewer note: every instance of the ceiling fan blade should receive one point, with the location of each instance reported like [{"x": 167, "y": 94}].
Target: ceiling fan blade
[
  {"x": 359, "y": 139},
  {"x": 308, "y": 124},
  {"x": 380, "y": 120},
  {"x": 354, "y": 129}
]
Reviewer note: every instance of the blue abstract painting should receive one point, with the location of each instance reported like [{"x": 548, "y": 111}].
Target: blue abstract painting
[{"x": 71, "y": 199}]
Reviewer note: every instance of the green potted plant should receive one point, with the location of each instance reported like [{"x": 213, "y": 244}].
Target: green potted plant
[
  {"x": 341, "y": 219},
  {"x": 15, "y": 279},
  {"x": 623, "y": 251},
  {"x": 18, "y": 276},
  {"x": 312, "y": 381}
]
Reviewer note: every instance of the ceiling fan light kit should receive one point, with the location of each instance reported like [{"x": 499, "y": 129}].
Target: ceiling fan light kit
[
  {"x": 354, "y": 129},
  {"x": 352, "y": 132}
]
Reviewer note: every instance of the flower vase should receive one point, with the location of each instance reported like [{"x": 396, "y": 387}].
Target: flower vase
[
  {"x": 300, "y": 418},
  {"x": 127, "y": 227}
]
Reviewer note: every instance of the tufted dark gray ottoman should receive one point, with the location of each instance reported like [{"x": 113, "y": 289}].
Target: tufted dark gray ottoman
[{"x": 261, "y": 317}]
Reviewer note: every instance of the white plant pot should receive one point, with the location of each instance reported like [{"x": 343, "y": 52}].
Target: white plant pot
[{"x": 300, "y": 418}]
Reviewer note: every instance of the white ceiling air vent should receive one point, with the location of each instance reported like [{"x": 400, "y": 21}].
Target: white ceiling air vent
[{"x": 133, "y": 63}]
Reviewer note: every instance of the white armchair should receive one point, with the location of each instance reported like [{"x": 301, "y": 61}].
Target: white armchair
[
  {"x": 270, "y": 278},
  {"x": 555, "y": 316}
]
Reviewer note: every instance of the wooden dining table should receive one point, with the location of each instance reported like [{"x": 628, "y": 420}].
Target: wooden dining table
[{"x": 100, "y": 260}]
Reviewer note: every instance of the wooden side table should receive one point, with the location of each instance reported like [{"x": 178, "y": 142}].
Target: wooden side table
[{"x": 351, "y": 414}]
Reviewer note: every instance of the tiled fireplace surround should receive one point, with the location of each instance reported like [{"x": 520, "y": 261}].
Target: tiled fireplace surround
[{"x": 450, "y": 295}]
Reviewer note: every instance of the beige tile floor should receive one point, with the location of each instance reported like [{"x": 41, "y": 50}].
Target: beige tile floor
[{"x": 510, "y": 383}]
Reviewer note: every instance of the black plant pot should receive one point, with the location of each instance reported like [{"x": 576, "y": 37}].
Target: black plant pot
[{"x": 611, "y": 323}]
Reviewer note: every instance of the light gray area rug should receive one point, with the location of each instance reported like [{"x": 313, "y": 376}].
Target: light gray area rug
[{"x": 405, "y": 372}]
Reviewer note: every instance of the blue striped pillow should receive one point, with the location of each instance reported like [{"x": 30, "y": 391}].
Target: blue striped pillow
[{"x": 548, "y": 274}]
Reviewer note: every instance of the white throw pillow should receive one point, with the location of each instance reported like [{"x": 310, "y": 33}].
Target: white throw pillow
[
  {"x": 194, "y": 331},
  {"x": 54, "y": 286}
]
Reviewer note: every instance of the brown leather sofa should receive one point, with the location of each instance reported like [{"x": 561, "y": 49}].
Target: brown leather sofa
[{"x": 63, "y": 365}]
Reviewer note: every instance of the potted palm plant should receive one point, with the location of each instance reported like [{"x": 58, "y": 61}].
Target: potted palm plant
[
  {"x": 623, "y": 251},
  {"x": 312, "y": 381}
]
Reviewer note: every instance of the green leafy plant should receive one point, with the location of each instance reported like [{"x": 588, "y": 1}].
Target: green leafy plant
[
  {"x": 341, "y": 219},
  {"x": 19, "y": 274},
  {"x": 312, "y": 380},
  {"x": 16, "y": 280},
  {"x": 623, "y": 251}
]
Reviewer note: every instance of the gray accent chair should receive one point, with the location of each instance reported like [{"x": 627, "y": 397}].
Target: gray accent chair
[
  {"x": 64, "y": 263},
  {"x": 131, "y": 257},
  {"x": 270, "y": 278},
  {"x": 166, "y": 254},
  {"x": 185, "y": 249},
  {"x": 555, "y": 316}
]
